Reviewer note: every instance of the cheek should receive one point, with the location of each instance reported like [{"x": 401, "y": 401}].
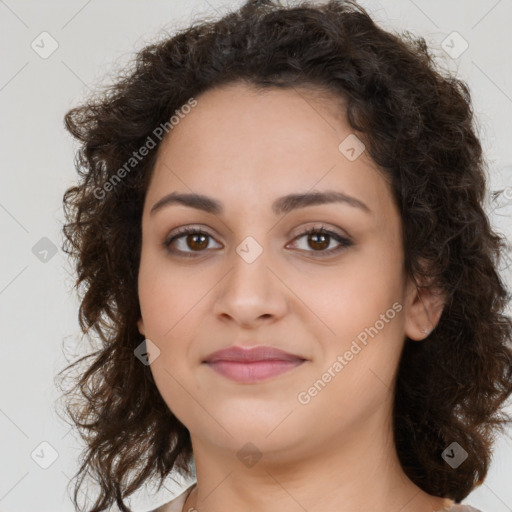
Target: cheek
[
  {"x": 165, "y": 296},
  {"x": 166, "y": 307},
  {"x": 362, "y": 307},
  {"x": 171, "y": 302},
  {"x": 354, "y": 295}
]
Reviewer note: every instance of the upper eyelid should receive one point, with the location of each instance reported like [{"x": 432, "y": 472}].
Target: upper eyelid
[{"x": 316, "y": 225}]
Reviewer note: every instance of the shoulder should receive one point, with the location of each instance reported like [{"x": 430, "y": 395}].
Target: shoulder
[{"x": 176, "y": 504}]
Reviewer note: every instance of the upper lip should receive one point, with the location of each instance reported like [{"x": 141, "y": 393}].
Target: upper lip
[{"x": 244, "y": 354}]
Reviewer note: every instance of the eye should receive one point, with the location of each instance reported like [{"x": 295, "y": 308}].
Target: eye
[
  {"x": 198, "y": 241},
  {"x": 321, "y": 238},
  {"x": 192, "y": 238}
]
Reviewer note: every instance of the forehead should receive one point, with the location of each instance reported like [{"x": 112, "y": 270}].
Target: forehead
[{"x": 247, "y": 147}]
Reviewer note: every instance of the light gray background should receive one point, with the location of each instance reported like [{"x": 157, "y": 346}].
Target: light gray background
[{"x": 38, "y": 311}]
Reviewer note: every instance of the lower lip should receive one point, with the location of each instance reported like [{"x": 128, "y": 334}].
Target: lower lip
[{"x": 254, "y": 371}]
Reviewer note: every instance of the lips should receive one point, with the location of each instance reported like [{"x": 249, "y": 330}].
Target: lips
[
  {"x": 251, "y": 354},
  {"x": 252, "y": 365}
]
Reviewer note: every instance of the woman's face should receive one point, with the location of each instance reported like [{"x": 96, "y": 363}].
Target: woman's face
[{"x": 253, "y": 278}]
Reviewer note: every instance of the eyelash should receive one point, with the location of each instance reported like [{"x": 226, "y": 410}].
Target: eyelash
[{"x": 344, "y": 242}]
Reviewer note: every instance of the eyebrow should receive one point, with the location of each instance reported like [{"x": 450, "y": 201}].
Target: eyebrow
[{"x": 281, "y": 205}]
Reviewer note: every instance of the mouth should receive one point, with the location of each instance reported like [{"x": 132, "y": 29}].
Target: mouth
[{"x": 251, "y": 365}]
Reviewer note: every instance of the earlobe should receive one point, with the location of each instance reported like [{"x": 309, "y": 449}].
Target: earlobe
[
  {"x": 140, "y": 325},
  {"x": 423, "y": 310}
]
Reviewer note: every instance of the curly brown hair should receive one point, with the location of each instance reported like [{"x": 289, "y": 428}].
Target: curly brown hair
[{"x": 416, "y": 121}]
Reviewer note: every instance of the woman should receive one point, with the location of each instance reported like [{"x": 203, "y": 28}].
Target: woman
[{"x": 280, "y": 233}]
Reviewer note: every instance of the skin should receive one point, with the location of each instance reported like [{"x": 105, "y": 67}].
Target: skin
[{"x": 245, "y": 149}]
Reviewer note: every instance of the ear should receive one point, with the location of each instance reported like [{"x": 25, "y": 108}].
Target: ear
[
  {"x": 423, "y": 308},
  {"x": 140, "y": 325}
]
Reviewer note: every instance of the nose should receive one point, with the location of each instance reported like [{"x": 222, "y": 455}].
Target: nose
[{"x": 251, "y": 293}]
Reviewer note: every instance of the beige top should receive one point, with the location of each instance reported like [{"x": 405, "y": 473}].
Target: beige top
[{"x": 176, "y": 505}]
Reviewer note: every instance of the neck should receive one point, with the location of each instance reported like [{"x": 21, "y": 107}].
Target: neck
[{"x": 355, "y": 472}]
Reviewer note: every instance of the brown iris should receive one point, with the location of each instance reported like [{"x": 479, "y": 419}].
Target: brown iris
[
  {"x": 318, "y": 244},
  {"x": 193, "y": 237}
]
